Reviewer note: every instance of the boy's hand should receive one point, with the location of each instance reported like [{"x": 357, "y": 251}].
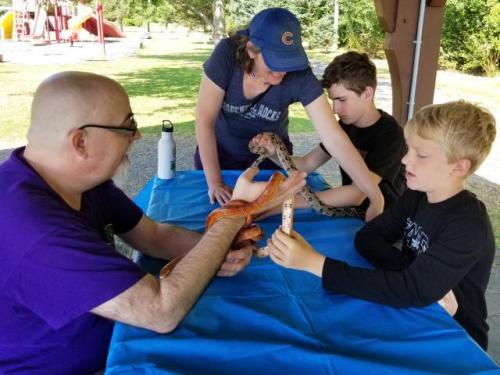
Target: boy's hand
[
  {"x": 449, "y": 303},
  {"x": 373, "y": 210},
  {"x": 262, "y": 141},
  {"x": 295, "y": 252}
]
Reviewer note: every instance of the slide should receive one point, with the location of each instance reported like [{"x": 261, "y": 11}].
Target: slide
[
  {"x": 110, "y": 29},
  {"x": 6, "y": 25},
  {"x": 39, "y": 24},
  {"x": 75, "y": 24}
]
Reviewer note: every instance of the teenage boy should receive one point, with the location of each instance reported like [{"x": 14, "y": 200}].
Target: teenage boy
[
  {"x": 351, "y": 80},
  {"x": 448, "y": 245}
]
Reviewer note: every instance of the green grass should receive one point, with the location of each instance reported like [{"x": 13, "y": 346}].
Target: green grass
[
  {"x": 162, "y": 81},
  {"x": 162, "y": 84}
]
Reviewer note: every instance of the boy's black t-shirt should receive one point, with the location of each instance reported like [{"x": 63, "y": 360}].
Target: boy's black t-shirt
[
  {"x": 445, "y": 246},
  {"x": 382, "y": 146}
]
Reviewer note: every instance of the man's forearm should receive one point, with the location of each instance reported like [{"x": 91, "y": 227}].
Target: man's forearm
[
  {"x": 160, "y": 305},
  {"x": 188, "y": 279}
]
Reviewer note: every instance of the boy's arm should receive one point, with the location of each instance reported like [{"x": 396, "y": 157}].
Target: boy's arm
[
  {"x": 376, "y": 240},
  {"x": 307, "y": 163},
  {"x": 295, "y": 252},
  {"x": 342, "y": 196},
  {"x": 339, "y": 145},
  {"x": 426, "y": 280},
  {"x": 457, "y": 248},
  {"x": 312, "y": 160},
  {"x": 345, "y": 195}
]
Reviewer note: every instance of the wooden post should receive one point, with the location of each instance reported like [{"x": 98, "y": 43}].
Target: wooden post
[
  {"x": 56, "y": 21},
  {"x": 399, "y": 20},
  {"x": 100, "y": 28}
]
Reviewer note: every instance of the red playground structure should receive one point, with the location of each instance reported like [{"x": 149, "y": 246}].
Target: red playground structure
[
  {"x": 37, "y": 19},
  {"x": 44, "y": 21}
]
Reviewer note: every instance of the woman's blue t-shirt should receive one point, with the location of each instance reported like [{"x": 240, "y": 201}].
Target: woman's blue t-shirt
[{"x": 240, "y": 119}]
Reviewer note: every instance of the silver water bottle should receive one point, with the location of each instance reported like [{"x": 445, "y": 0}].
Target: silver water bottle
[{"x": 166, "y": 151}]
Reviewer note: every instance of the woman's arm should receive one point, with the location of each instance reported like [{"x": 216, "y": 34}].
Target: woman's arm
[
  {"x": 339, "y": 146},
  {"x": 210, "y": 99}
]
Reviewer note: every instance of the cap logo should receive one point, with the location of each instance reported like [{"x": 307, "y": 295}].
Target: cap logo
[{"x": 287, "y": 38}]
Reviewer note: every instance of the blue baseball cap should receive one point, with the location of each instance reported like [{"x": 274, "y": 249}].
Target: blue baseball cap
[{"x": 276, "y": 32}]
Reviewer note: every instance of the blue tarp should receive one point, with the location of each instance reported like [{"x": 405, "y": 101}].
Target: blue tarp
[{"x": 271, "y": 320}]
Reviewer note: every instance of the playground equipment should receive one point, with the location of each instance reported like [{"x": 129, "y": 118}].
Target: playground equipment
[
  {"x": 36, "y": 19},
  {"x": 6, "y": 25},
  {"x": 45, "y": 20},
  {"x": 88, "y": 19},
  {"x": 42, "y": 21}
]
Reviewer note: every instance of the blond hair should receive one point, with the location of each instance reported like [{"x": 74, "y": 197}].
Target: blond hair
[{"x": 463, "y": 129}]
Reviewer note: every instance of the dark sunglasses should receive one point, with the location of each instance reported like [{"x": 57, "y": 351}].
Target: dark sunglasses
[{"x": 132, "y": 130}]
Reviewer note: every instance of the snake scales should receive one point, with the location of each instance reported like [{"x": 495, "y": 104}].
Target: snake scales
[{"x": 306, "y": 192}]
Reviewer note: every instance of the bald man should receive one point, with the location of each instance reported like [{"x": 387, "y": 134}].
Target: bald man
[{"x": 62, "y": 283}]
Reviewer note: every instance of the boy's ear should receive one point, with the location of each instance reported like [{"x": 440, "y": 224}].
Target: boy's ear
[
  {"x": 369, "y": 93},
  {"x": 462, "y": 168}
]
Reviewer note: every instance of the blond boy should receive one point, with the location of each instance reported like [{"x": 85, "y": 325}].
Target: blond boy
[{"x": 447, "y": 239}]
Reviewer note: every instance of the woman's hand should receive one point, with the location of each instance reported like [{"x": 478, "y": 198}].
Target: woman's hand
[{"x": 220, "y": 193}]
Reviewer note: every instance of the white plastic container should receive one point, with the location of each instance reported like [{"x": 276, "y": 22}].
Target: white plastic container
[{"x": 166, "y": 151}]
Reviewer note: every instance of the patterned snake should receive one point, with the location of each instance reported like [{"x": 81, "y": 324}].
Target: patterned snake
[
  {"x": 253, "y": 233},
  {"x": 306, "y": 192}
]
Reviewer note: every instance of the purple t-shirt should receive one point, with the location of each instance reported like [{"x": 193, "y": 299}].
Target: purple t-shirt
[
  {"x": 56, "y": 265},
  {"x": 240, "y": 119}
]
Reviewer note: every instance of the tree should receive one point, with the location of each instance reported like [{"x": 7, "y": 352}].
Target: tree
[
  {"x": 118, "y": 10},
  {"x": 359, "y": 27},
  {"x": 335, "y": 45},
  {"x": 219, "y": 22},
  {"x": 471, "y": 36}
]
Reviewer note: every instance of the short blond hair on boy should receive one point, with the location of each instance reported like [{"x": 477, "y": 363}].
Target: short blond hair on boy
[{"x": 463, "y": 129}]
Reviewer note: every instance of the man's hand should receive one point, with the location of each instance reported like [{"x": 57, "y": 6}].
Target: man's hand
[
  {"x": 262, "y": 141},
  {"x": 236, "y": 261},
  {"x": 248, "y": 190},
  {"x": 295, "y": 252},
  {"x": 220, "y": 193}
]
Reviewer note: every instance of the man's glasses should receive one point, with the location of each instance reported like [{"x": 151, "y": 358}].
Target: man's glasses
[{"x": 131, "y": 130}]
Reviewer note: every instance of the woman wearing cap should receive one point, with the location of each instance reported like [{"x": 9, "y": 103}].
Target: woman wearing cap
[{"x": 248, "y": 84}]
